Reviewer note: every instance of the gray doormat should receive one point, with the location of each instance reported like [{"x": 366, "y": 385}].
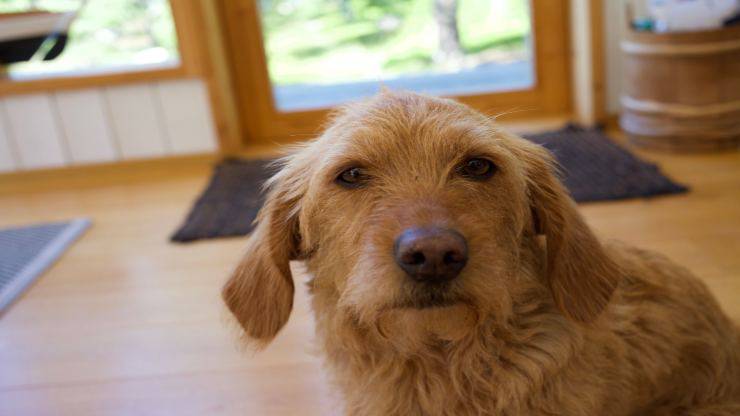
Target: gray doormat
[
  {"x": 594, "y": 169},
  {"x": 26, "y": 252}
]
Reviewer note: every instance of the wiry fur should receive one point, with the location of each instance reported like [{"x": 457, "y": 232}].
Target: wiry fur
[{"x": 543, "y": 320}]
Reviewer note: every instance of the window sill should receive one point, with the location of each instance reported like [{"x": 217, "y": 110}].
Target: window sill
[{"x": 80, "y": 80}]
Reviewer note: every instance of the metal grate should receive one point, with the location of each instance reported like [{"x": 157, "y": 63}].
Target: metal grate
[{"x": 25, "y": 253}]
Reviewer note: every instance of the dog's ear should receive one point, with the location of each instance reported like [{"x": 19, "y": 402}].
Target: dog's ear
[
  {"x": 581, "y": 276},
  {"x": 260, "y": 291}
]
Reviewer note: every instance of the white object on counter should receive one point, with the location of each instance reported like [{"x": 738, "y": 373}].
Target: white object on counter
[
  {"x": 691, "y": 15},
  {"x": 28, "y": 25}
]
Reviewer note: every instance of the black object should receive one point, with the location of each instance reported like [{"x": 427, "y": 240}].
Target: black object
[
  {"x": 22, "y": 50},
  {"x": 732, "y": 20},
  {"x": 60, "y": 42},
  {"x": 594, "y": 169}
]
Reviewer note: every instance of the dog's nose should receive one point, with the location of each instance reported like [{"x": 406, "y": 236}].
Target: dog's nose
[{"x": 431, "y": 254}]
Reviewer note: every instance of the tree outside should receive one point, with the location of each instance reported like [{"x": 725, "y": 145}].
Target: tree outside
[{"x": 330, "y": 41}]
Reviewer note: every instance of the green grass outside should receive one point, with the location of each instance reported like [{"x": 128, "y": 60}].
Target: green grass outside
[
  {"x": 315, "y": 41},
  {"x": 307, "y": 41}
]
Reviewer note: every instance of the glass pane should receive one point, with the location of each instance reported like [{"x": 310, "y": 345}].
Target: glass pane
[
  {"x": 323, "y": 52},
  {"x": 104, "y": 36}
]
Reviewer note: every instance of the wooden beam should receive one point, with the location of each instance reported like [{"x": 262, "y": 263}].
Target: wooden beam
[
  {"x": 216, "y": 66},
  {"x": 598, "y": 58},
  {"x": 587, "y": 61}
]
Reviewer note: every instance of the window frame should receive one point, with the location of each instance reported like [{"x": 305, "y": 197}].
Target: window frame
[
  {"x": 185, "y": 17},
  {"x": 264, "y": 123}
]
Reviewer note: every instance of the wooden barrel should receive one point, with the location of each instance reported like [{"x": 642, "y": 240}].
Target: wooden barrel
[{"x": 682, "y": 90}]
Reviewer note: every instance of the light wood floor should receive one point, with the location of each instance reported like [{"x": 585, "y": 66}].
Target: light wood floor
[{"x": 129, "y": 324}]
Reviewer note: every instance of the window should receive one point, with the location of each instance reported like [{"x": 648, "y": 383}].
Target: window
[
  {"x": 105, "y": 36},
  {"x": 293, "y": 60},
  {"x": 321, "y": 53}
]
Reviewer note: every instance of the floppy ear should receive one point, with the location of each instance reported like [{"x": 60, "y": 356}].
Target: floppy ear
[
  {"x": 260, "y": 291},
  {"x": 581, "y": 276}
]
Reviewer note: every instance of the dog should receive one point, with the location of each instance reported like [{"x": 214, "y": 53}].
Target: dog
[{"x": 451, "y": 274}]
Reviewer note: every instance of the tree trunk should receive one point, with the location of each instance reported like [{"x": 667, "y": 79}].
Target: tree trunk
[
  {"x": 346, "y": 8},
  {"x": 450, "y": 52}
]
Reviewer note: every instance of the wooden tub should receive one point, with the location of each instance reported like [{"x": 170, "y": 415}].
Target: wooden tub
[{"x": 682, "y": 90}]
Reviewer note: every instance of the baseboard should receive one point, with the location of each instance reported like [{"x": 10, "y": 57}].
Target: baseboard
[{"x": 105, "y": 173}]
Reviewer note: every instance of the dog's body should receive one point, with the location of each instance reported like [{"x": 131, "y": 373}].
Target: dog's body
[
  {"x": 537, "y": 317},
  {"x": 661, "y": 348}
]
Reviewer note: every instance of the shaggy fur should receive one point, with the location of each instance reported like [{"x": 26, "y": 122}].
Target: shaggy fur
[{"x": 543, "y": 320}]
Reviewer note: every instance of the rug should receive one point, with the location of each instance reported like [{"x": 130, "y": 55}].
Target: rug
[
  {"x": 26, "y": 252},
  {"x": 594, "y": 168}
]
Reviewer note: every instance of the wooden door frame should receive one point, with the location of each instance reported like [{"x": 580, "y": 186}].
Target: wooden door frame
[
  {"x": 263, "y": 124},
  {"x": 588, "y": 71}
]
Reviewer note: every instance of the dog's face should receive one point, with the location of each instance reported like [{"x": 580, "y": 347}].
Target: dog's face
[
  {"x": 408, "y": 202},
  {"x": 413, "y": 203}
]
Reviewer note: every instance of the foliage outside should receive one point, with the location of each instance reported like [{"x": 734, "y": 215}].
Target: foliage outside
[
  {"x": 107, "y": 33},
  {"x": 307, "y": 41},
  {"x": 328, "y": 41}
]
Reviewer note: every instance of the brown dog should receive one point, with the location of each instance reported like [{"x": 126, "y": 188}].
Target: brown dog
[{"x": 452, "y": 275}]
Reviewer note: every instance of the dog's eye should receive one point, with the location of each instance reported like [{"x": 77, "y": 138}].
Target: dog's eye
[
  {"x": 477, "y": 168},
  {"x": 352, "y": 178}
]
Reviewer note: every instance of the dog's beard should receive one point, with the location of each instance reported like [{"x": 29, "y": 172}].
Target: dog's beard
[
  {"x": 424, "y": 315},
  {"x": 414, "y": 316},
  {"x": 408, "y": 314},
  {"x": 410, "y": 330},
  {"x": 424, "y": 296}
]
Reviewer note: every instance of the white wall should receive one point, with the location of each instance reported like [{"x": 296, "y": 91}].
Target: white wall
[
  {"x": 105, "y": 125},
  {"x": 615, "y": 26}
]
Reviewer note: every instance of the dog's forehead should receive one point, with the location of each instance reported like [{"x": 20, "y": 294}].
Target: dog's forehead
[{"x": 411, "y": 127}]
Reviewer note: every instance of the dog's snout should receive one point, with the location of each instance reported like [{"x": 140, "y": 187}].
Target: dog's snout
[{"x": 431, "y": 254}]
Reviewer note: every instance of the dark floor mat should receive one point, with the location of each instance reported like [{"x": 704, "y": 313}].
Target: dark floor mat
[
  {"x": 597, "y": 169},
  {"x": 594, "y": 169}
]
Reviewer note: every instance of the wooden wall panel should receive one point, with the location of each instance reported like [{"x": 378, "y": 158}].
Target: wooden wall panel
[
  {"x": 102, "y": 125},
  {"x": 7, "y": 155},
  {"x": 187, "y": 116},
  {"x": 136, "y": 117},
  {"x": 35, "y": 131},
  {"x": 85, "y": 120}
]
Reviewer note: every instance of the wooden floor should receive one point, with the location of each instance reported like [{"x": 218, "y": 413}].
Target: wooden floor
[{"x": 127, "y": 323}]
